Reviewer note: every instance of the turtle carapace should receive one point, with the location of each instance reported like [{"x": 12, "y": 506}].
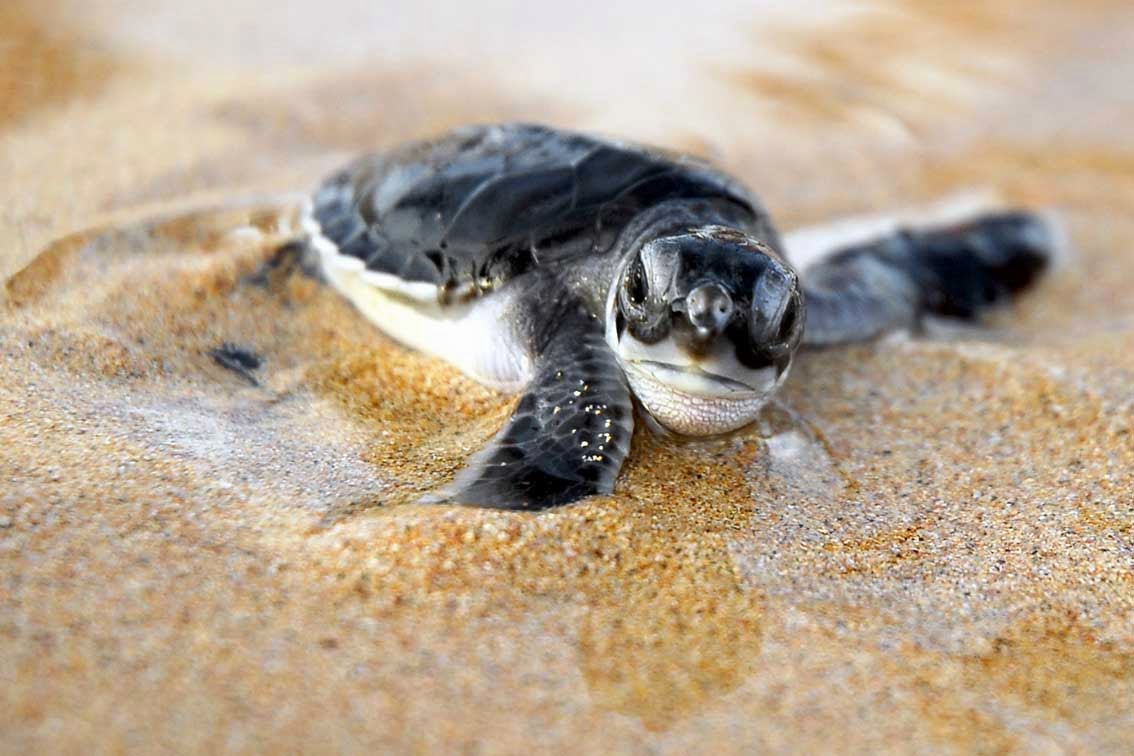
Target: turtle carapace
[{"x": 583, "y": 271}]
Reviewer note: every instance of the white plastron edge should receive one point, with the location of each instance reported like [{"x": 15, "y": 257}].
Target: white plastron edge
[
  {"x": 334, "y": 260},
  {"x": 476, "y": 337}
]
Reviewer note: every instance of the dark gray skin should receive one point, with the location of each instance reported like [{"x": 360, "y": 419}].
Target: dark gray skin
[{"x": 610, "y": 248}]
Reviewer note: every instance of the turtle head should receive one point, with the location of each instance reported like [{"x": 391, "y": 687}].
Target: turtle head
[{"x": 705, "y": 324}]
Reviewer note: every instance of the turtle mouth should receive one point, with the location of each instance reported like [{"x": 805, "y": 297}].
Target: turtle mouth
[
  {"x": 691, "y": 401},
  {"x": 695, "y": 380},
  {"x": 714, "y": 374},
  {"x": 692, "y": 394}
]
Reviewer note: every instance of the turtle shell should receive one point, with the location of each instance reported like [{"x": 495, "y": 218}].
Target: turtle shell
[{"x": 484, "y": 204}]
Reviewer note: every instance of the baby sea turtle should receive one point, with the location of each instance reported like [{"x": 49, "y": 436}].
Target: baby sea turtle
[{"x": 585, "y": 271}]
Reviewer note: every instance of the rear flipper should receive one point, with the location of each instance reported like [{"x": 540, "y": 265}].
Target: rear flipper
[
  {"x": 571, "y": 430},
  {"x": 959, "y": 271}
]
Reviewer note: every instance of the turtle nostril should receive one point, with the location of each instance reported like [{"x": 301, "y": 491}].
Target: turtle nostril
[{"x": 709, "y": 308}]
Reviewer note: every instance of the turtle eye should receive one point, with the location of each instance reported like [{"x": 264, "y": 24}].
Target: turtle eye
[
  {"x": 635, "y": 282},
  {"x": 647, "y": 321},
  {"x": 776, "y": 319},
  {"x": 634, "y": 291},
  {"x": 790, "y": 326}
]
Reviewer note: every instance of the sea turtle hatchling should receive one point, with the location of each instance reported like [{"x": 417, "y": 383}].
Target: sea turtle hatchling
[{"x": 584, "y": 271}]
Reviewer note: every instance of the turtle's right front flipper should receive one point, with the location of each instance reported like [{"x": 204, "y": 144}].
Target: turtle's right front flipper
[
  {"x": 571, "y": 430},
  {"x": 959, "y": 271}
]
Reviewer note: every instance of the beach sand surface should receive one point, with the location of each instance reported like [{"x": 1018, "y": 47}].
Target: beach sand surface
[{"x": 926, "y": 545}]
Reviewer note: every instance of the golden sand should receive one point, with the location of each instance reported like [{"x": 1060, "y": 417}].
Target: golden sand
[{"x": 928, "y": 544}]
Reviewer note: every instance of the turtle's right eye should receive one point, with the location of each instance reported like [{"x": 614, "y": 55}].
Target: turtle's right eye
[
  {"x": 647, "y": 320},
  {"x": 635, "y": 283},
  {"x": 634, "y": 291}
]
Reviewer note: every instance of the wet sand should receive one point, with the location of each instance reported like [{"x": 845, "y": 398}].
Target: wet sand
[{"x": 928, "y": 544}]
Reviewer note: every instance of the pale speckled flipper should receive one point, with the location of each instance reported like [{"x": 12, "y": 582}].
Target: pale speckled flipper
[
  {"x": 571, "y": 430},
  {"x": 867, "y": 289}
]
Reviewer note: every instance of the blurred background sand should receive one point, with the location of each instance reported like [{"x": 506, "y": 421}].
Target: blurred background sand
[{"x": 929, "y": 545}]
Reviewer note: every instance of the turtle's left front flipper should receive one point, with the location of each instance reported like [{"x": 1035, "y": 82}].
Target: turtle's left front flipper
[
  {"x": 571, "y": 429},
  {"x": 957, "y": 271}
]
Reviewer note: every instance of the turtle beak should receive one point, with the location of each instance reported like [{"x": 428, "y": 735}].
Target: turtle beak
[{"x": 709, "y": 308}]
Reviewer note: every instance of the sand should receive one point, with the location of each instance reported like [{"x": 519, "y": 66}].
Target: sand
[{"x": 927, "y": 544}]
